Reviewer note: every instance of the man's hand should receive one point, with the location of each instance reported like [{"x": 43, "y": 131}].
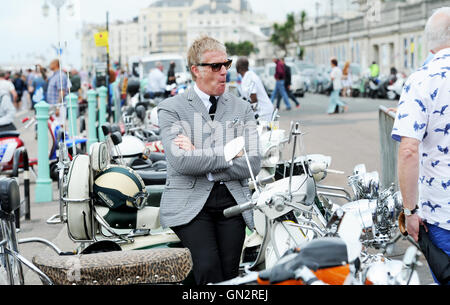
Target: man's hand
[
  {"x": 412, "y": 226},
  {"x": 184, "y": 143}
]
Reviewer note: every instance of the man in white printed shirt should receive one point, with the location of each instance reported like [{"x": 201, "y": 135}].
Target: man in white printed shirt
[{"x": 422, "y": 126}]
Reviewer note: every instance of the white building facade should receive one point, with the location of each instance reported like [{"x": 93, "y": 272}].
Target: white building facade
[{"x": 395, "y": 39}]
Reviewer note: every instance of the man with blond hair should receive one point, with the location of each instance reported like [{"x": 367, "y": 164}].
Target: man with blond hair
[
  {"x": 201, "y": 184},
  {"x": 422, "y": 127}
]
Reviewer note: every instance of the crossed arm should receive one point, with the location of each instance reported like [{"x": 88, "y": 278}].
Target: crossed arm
[{"x": 187, "y": 159}]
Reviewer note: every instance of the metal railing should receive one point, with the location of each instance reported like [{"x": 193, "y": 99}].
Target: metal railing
[{"x": 388, "y": 148}]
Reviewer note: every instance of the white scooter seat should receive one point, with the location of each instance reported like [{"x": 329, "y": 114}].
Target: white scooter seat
[{"x": 153, "y": 266}]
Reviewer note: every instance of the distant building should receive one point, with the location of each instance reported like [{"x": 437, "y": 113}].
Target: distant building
[
  {"x": 162, "y": 26},
  {"x": 224, "y": 21},
  {"x": 124, "y": 41},
  {"x": 90, "y": 54},
  {"x": 392, "y": 37},
  {"x": 170, "y": 26}
]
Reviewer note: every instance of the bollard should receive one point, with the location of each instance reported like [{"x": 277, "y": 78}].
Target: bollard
[
  {"x": 103, "y": 100},
  {"x": 43, "y": 191},
  {"x": 72, "y": 108},
  {"x": 92, "y": 115}
]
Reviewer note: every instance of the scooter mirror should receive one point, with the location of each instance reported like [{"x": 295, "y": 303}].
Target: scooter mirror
[
  {"x": 106, "y": 128},
  {"x": 116, "y": 138},
  {"x": 140, "y": 112},
  {"x": 115, "y": 128},
  {"x": 233, "y": 148}
]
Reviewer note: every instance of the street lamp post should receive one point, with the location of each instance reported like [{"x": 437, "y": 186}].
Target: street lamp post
[{"x": 58, "y": 4}]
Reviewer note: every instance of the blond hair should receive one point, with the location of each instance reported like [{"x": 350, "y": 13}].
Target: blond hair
[{"x": 199, "y": 47}]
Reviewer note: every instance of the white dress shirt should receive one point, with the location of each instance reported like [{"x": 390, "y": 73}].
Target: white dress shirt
[{"x": 205, "y": 99}]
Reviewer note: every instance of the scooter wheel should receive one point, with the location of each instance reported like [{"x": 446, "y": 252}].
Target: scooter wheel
[{"x": 54, "y": 174}]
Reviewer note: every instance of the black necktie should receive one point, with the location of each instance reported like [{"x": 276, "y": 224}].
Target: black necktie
[{"x": 212, "y": 109}]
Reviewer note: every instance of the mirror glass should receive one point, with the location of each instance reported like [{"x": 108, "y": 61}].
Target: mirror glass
[{"x": 233, "y": 148}]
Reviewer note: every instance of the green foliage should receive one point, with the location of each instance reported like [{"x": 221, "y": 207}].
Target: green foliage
[
  {"x": 285, "y": 34},
  {"x": 244, "y": 48}
]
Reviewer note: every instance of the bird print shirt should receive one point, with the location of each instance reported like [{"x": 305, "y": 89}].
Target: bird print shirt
[{"x": 424, "y": 114}]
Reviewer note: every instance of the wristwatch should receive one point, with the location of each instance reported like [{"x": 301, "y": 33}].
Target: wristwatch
[{"x": 409, "y": 212}]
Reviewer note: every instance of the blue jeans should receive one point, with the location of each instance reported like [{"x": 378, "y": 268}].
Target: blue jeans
[
  {"x": 441, "y": 239},
  {"x": 280, "y": 89},
  {"x": 334, "y": 101},
  {"x": 290, "y": 95}
]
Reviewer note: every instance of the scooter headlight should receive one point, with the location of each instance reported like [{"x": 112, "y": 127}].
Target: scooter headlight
[{"x": 271, "y": 157}]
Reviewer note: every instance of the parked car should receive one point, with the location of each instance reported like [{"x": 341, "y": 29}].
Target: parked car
[{"x": 297, "y": 83}]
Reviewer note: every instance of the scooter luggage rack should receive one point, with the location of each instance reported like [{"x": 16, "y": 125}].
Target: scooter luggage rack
[{"x": 92, "y": 233}]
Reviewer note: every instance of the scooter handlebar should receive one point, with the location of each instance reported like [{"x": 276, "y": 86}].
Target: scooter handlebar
[{"x": 238, "y": 209}]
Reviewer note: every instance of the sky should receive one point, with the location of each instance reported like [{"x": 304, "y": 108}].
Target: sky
[{"x": 25, "y": 33}]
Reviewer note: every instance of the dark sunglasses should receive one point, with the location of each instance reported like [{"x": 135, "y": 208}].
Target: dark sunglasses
[{"x": 216, "y": 67}]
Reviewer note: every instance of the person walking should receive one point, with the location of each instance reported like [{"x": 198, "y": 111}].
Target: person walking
[
  {"x": 57, "y": 90},
  {"x": 38, "y": 88},
  {"x": 422, "y": 127},
  {"x": 280, "y": 75},
  {"x": 7, "y": 112},
  {"x": 347, "y": 80},
  {"x": 287, "y": 86},
  {"x": 336, "y": 76},
  {"x": 201, "y": 184},
  {"x": 7, "y": 86}
]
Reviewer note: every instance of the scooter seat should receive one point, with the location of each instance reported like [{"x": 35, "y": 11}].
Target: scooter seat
[
  {"x": 317, "y": 254},
  {"x": 153, "y": 266},
  {"x": 152, "y": 177},
  {"x": 9, "y": 195},
  {"x": 155, "y": 156},
  {"x": 9, "y": 134}
]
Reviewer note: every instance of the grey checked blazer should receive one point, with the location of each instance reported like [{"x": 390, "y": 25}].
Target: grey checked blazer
[{"x": 187, "y": 187}]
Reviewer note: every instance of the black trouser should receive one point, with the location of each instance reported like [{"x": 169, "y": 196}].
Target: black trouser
[{"x": 215, "y": 242}]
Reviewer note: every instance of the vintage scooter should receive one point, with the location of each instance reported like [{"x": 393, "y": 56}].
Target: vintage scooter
[
  {"x": 103, "y": 263},
  {"x": 378, "y": 210},
  {"x": 335, "y": 260},
  {"x": 286, "y": 215}
]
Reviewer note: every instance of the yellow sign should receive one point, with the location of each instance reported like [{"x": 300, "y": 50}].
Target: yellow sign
[
  {"x": 412, "y": 47},
  {"x": 101, "y": 39}
]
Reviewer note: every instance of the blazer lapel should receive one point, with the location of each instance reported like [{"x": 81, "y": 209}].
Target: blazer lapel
[
  {"x": 197, "y": 104},
  {"x": 221, "y": 107}
]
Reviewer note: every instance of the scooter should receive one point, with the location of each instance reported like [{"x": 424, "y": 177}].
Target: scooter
[
  {"x": 378, "y": 211},
  {"x": 395, "y": 90},
  {"x": 335, "y": 260},
  {"x": 102, "y": 263},
  {"x": 10, "y": 143},
  {"x": 286, "y": 215}
]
